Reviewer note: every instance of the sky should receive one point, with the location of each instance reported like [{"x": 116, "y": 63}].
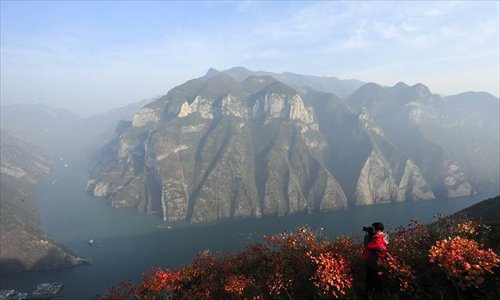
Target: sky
[{"x": 92, "y": 56}]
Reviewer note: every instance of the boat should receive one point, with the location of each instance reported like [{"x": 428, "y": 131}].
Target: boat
[
  {"x": 94, "y": 243},
  {"x": 46, "y": 290},
  {"x": 164, "y": 226},
  {"x": 5, "y": 294},
  {"x": 83, "y": 261},
  {"x": 20, "y": 296},
  {"x": 13, "y": 295}
]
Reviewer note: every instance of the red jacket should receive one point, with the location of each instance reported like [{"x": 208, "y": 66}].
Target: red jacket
[{"x": 375, "y": 248}]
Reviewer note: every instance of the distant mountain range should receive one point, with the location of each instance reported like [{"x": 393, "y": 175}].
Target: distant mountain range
[
  {"x": 60, "y": 130},
  {"x": 300, "y": 82},
  {"x": 243, "y": 144}
]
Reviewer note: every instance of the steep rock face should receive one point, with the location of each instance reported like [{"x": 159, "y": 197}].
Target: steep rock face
[
  {"x": 369, "y": 168},
  {"x": 413, "y": 185},
  {"x": 22, "y": 246},
  {"x": 446, "y": 138},
  {"x": 222, "y": 149},
  {"x": 376, "y": 184}
]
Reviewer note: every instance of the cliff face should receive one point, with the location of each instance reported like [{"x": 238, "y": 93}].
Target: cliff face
[
  {"x": 366, "y": 163},
  {"x": 22, "y": 246},
  {"x": 217, "y": 148},
  {"x": 453, "y": 140}
]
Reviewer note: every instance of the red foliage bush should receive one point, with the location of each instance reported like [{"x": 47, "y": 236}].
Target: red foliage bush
[
  {"x": 236, "y": 284},
  {"x": 303, "y": 264},
  {"x": 463, "y": 260},
  {"x": 332, "y": 274},
  {"x": 398, "y": 270}
]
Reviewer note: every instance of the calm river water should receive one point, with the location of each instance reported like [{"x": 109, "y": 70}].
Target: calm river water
[{"x": 133, "y": 242}]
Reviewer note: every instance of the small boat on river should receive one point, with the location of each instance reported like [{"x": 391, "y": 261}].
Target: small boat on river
[
  {"x": 46, "y": 290},
  {"x": 94, "y": 243},
  {"x": 164, "y": 226}
]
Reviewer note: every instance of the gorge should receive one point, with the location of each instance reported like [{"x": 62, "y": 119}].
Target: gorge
[{"x": 242, "y": 144}]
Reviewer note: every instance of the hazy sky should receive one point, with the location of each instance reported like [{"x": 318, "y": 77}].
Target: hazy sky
[{"x": 94, "y": 56}]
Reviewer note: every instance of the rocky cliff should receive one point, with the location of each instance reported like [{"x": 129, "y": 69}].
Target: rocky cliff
[
  {"x": 453, "y": 140},
  {"x": 22, "y": 246},
  {"x": 216, "y": 148},
  {"x": 368, "y": 166},
  {"x": 248, "y": 146}
]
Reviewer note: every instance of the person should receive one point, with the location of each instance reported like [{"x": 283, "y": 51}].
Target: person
[{"x": 375, "y": 246}]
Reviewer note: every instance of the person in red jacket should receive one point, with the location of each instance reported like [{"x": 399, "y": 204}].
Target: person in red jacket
[{"x": 375, "y": 246}]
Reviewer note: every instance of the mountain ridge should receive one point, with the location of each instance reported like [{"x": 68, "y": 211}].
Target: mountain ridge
[{"x": 190, "y": 154}]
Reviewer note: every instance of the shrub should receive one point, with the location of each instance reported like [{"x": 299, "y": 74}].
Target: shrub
[
  {"x": 463, "y": 261},
  {"x": 442, "y": 260}
]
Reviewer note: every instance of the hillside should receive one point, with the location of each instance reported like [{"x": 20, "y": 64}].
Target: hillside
[
  {"x": 487, "y": 211},
  {"x": 22, "y": 246}
]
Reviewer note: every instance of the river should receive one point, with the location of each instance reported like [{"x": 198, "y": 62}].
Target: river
[{"x": 133, "y": 242}]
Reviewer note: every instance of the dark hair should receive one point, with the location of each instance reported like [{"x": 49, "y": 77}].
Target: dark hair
[
  {"x": 378, "y": 226},
  {"x": 370, "y": 231}
]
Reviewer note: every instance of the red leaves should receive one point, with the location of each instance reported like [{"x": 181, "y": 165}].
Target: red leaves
[
  {"x": 303, "y": 264},
  {"x": 236, "y": 284},
  {"x": 399, "y": 271},
  {"x": 462, "y": 260},
  {"x": 332, "y": 274}
]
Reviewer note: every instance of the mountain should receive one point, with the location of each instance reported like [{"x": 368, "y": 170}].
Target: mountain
[
  {"x": 341, "y": 87},
  {"x": 369, "y": 167},
  {"x": 24, "y": 247},
  {"x": 233, "y": 144},
  {"x": 41, "y": 125},
  {"x": 98, "y": 130},
  {"x": 453, "y": 140},
  {"x": 217, "y": 148}
]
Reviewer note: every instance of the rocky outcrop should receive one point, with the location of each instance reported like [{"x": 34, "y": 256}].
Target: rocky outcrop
[
  {"x": 376, "y": 184},
  {"x": 379, "y": 184},
  {"x": 455, "y": 181},
  {"x": 413, "y": 185},
  {"x": 145, "y": 116}
]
